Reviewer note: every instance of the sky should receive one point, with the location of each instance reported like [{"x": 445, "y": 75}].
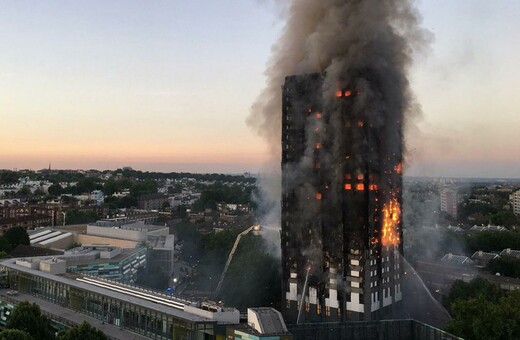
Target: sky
[{"x": 168, "y": 85}]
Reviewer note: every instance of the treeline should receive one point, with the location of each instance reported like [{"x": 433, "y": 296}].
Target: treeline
[
  {"x": 8, "y": 177},
  {"x": 26, "y": 322},
  {"x": 56, "y": 176},
  {"x": 483, "y": 311},
  {"x": 218, "y": 193},
  {"x": 130, "y": 173}
]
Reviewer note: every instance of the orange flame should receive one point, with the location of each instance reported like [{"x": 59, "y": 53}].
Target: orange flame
[
  {"x": 339, "y": 93},
  {"x": 399, "y": 168},
  {"x": 318, "y": 196},
  {"x": 348, "y": 93},
  {"x": 318, "y": 146},
  {"x": 391, "y": 219}
]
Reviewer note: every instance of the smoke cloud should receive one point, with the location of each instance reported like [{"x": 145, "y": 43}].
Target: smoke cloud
[{"x": 365, "y": 45}]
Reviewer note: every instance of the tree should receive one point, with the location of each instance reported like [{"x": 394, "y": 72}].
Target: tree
[
  {"x": 15, "y": 334},
  {"x": 461, "y": 290},
  {"x": 504, "y": 218},
  {"x": 253, "y": 269},
  {"x": 5, "y": 247},
  {"x": 8, "y": 177},
  {"x": 85, "y": 331},
  {"x": 27, "y": 317},
  {"x": 506, "y": 266},
  {"x": 55, "y": 190},
  {"x": 77, "y": 216},
  {"x": 16, "y": 236},
  {"x": 482, "y": 319},
  {"x": 25, "y": 191}
]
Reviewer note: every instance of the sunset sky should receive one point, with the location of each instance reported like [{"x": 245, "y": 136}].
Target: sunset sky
[{"x": 167, "y": 85}]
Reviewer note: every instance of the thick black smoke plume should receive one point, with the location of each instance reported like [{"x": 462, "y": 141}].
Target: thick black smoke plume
[{"x": 365, "y": 45}]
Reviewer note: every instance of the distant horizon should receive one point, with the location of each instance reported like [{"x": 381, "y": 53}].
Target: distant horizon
[{"x": 186, "y": 169}]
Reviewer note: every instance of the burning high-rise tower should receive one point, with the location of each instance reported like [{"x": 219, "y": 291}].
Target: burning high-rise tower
[
  {"x": 341, "y": 221},
  {"x": 346, "y": 97}
]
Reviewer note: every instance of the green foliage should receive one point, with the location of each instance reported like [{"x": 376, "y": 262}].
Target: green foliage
[
  {"x": 86, "y": 185},
  {"x": 193, "y": 246},
  {"x": 15, "y": 236},
  {"x": 55, "y": 190},
  {"x": 479, "y": 318},
  {"x": 63, "y": 176},
  {"x": 24, "y": 192},
  {"x": 5, "y": 247},
  {"x": 506, "y": 266},
  {"x": 121, "y": 202},
  {"x": 504, "y": 218},
  {"x": 493, "y": 241},
  {"x": 8, "y": 177},
  {"x": 112, "y": 186},
  {"x": 181, "y": 212},
  {"x": 219, "y": 193},
  {"x": 143, "y": 188},
  {"x": 85, "y": 331},
  {"x": 15, "y": 334},
  {"x": 76, "y": 216},
  {"x": 176, "y": 189},
  {"x": 68, "y": 200},
  {"x": 27, "y": 317},
  {"x": 461, "y": 290},
  {"x": 252, "y": 270},
  {"x": 39, "y": 192},
  {"x": 130, "y": 173}
]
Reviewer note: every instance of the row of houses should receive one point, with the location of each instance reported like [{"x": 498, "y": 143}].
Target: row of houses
[{"x": 479, "y": 258}]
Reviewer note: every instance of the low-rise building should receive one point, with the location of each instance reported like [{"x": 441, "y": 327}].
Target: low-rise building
[
  {"x": 456, "y": 259},
  {"x": 482, "y": 258}
]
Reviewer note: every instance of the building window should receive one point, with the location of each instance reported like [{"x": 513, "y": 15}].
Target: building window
[{"x": 327, "y": 311}]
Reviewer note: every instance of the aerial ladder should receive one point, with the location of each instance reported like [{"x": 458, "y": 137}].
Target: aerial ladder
[{"x": 256, "y": 227}]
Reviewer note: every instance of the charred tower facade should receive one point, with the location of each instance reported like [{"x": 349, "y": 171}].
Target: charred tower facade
[{"x": 341, "y": 199}]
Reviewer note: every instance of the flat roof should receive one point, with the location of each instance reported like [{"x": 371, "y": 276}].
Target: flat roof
[
  {"x": 125, "y": 253},
  {"x": 10, "y": 263}
]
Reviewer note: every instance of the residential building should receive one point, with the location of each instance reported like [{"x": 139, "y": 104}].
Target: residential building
[
  {"x": 341, "y": 206},
  {"x": 514, "y": 199},
  {"x": 449, "y": 201}
]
